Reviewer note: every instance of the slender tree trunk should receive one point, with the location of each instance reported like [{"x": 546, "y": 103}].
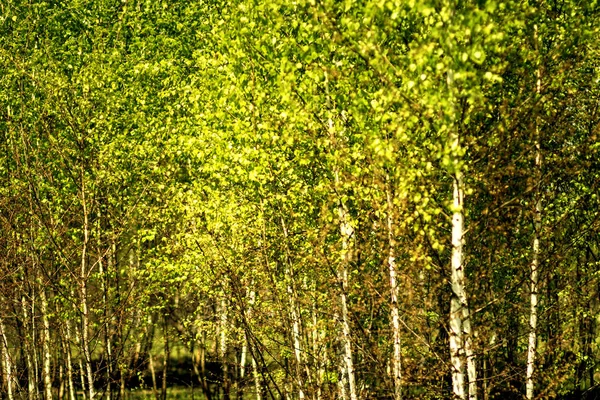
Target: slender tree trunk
[
  {"x": 240, "y": 385},
  {"x": 243, "y": 357},
  {"x": 535, "y": 259},
  {"x": 117, "y": 327},
  {"x": 61, "y": 375},
  {"x": 199, "y": 361},
  {"x": 7, "y": 365},
  {"x": 81, "y": 362},
  {"x": 457, "y": 282},
  {"x": 293, "y": 309},
  {"x": 85, "y": 344},
  {"x": 486, "y": 393},
  {"x": 256, "y": 376},
  {"x": 347, "y": 233},
  {"x": 459, "y": 306},
  {"x": 85, "y": 322},
  {"x": 153, "y": 373},
  {"x": 316, "y": 340},
  {"x": 67, "y": 351},
  {"x": 109, "y": 362},
  {"x": 31, "y": 376},
  {"x": 534, "y": 279},
  {"x": 394, "y": 313},
  {"x": 251, "y": 296},
  {"x": 45, "y": 345},
  {"x": 105, "y": 312},
  {"x": 461, "y": 347},
  {"x": 167, "y": 354},
  {"x": 469, "y": 352},
  {"x": 223, "y": 346},
  {"x": 153, "y": 376},
  {"x": 34, "y": 342},
  {"x": 343, "y": 380},
  {"x": 3, "y": 380},
  {"x": 296, "y": 340},
  {"x": 591, "y": 334}
]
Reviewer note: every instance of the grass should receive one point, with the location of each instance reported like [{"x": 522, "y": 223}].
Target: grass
[{"x": 177, "y": 393}]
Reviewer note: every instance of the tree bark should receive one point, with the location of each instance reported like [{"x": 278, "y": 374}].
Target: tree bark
[
  {"x": 460, "y": 319},
  {"x": 347, "y": 233},
  {"x": 316, "y": 356},
  {"x": 256, "y": 375},
  {"x": 29, "y": 355},
  {"x": 81, "y": 362},
  {"x": 223, "y": 346},
  {"x": 457, "y": 282},
  {"x": 61, "y": 375},
  {"x": 105, "y": 312},
  {"x": 461, "y": 347},
  {"x": 151, "y": 362},
  {"x": 167, "y": 354},
  {"x": 45, "y": 345},
  {"x": 85, "y": 322},
  {"x": 394, "y": 313},
  {"x": 67, "y": 351},
  {"x": 347, "y": 236},
  {"x": 343, "y": 380},
  {"x": 293, "y": 310},
  {"x": 7, "y": 363},
  {"x": 535, "y": 261}
]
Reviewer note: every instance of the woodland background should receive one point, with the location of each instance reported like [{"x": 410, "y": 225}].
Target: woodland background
[{"x": 349, "y": 199}]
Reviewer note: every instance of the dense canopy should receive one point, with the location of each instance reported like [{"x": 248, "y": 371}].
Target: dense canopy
[{"x": 311, "y": 199}]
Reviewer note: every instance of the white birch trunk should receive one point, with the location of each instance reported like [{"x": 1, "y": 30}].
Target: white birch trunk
[
  {"x": 85, "y": 344},
  {"x": 61, "y": 380},
  {"x": 394, "y": 313},
  {"x": 461, "y": 347},
  {"x": 45, "y": 346},
  {"x": 460, "y": 319},
  {"x": 243, "y": 357},
  {"x": 105, "y": 310},
  {"x": 255, "y": 374},
  {"x": 297, "y": 350},
  {"x": 150, "y": 360},
  {"x": 67, "y": 344},
  {"x": 315, "y": 348},
  {"x": 7, "y": 362},
  {"x": 293, "y": 305},
  {"x": 153, "y": 375},
  {"x": 223, "y": 345},
  {"x": 223, "y": 328},
  {"x": 347, "y": 233},
  {"x": 85, "y": 323},
  {"x": 534, "y": 281},
  {"x": 471, "y": 361},
  {"x": 167, "y": 353},
  {"x": 80, "y": 361},
  {"x": 31, "y": 377},
  {"x": 457, "y": 283},
  {"x": 34, "y": 353},
  {"x": 343, "y": 381},
  {"x": 534, "y": 276}
]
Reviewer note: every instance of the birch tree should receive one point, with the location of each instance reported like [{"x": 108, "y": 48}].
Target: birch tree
[{"x": 535, "y": 249}]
